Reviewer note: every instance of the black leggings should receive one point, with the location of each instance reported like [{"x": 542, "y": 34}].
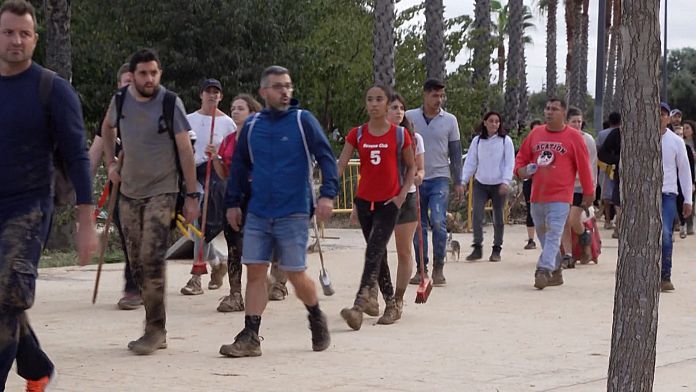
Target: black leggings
[
  {"x": 527, "y": 191},
  {"x": 377, "y": 221}
]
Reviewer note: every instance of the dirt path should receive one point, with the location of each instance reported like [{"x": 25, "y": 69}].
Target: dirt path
[{"x": 488, "y": 330}]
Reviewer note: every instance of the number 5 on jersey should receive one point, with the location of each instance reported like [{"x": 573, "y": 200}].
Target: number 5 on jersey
[{"x": 375, "y": 158}]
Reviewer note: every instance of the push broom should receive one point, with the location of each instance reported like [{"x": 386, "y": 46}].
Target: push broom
[{"x": 426, "y": 285}]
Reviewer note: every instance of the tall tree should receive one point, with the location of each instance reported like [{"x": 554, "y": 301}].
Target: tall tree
[
  {"x": 500, "y": 33},
  {"x": 613, "y": 34},
  {"x": 581, "y": 72},
  {"x": 480, "y": 40},
  {"x": 383, "y": 42},
  {"x": 435, "y": 39},
  {"x": 58, "y": 47},
  {"x": 514, "y": 65},
  {"x": 634, "y": 329},
  {"x": 574, "y": 41},
  {"x": 550, "y": 8}
]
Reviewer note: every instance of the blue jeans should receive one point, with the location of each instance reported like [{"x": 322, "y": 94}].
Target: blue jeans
[
  {"x": 23, "y": 232},
  {"x": 549, "y": 220},
  {"x": 669, "y": 212},
  {"x": 434, "y": 196},
  {"x": 287, "y": 236}
]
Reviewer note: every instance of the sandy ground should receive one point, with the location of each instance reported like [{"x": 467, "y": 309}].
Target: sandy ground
[{"x": 488, "y": 330}]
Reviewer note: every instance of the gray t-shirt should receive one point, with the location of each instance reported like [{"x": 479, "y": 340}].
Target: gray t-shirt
[
  {"x": 149, "y": 166},
  {"x": 437, "y": 135}
]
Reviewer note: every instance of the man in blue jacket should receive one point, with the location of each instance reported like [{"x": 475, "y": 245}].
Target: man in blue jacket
[
  {"x": 274, "y": 154},
  {"x": 34, "y": 121}
]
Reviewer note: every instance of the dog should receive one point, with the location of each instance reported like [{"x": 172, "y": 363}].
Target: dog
[{"x": 453, "y": 248}]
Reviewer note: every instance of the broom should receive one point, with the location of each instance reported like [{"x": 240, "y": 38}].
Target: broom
[
  {"x": 426, "y": 285},
  {"x": 199, "y": 267},
  {"x": 323, "y": 275}
]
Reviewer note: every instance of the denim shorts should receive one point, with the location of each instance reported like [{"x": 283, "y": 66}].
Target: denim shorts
[{"x": 286, "y": 235}]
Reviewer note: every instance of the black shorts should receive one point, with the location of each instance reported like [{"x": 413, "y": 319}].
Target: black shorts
[
  {"x": 409, "y": 210},
  {"x": 577, "y": 199}
]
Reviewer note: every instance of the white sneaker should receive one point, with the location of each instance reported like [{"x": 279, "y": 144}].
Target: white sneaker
[{"x": 682, "y": 231}]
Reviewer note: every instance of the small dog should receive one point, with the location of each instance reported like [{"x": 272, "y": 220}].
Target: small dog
[{"x": 453, "y": 248}]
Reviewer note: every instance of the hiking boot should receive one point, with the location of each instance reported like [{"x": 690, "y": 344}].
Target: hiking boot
[
  {"x": 541, "y": 278},
  {"x": 231, "y": 303},
  {"x": 475, "y": 254},
  {"x": 399, "y": 308},
  {"x": 530, "y": 244},
  {"x": 246, "y": 344},
  {"x": 390, "y": 314},
  {"x": 666, "y": 285},
  {"x": 438, "y": 275},
  {"x": 372, "y": 306},
  {"x": 682, "y": 231},
  {"x": 320, "y": 332},
  {"x": 556, "y": 278},
  {"x": 193, "y": 286},
  {"x": 130, "y": 301},
  {"x": 277, "y": 292},
  {"x": 585, "y": 240},
  {"x": 148, "y": 343},
  {"x": 353, "y": 317},
  {"x": 495, "y": 254},
  {"x": 417, "y": 278},
  {"x": 568, "y": 262},
  {"x": 40, "y": 385},
  {"x": 216, "y": 276}
]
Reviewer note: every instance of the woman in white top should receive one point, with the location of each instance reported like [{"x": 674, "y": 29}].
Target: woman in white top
[{"x": 490, "y": 160}]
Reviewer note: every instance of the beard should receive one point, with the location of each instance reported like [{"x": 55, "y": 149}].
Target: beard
[{"x": 146, "y": 92}]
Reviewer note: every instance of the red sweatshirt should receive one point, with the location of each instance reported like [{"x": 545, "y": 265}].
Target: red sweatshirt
[{"x": 559, "y": 155}]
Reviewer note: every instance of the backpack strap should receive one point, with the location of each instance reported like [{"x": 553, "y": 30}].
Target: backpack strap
[
  {"x": 119, "y": 97},
  {"x": 168, "y": 106},
  {"x": 399, "y": 146},
  {"x": 359, "y": 134},
  {"x": 45, "y": 91},
  {"x": 310, "y": 165},
  {"x": 251, "y": 128}
]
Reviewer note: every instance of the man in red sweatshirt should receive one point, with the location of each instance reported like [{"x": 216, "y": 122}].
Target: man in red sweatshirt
[{"x": 553, "y": 154}]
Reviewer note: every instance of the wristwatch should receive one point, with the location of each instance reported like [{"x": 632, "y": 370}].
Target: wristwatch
[{"x": 194, "y": 195}]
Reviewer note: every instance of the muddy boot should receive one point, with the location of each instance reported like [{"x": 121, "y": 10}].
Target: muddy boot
[
  {"x": 320, "y": 332},
  {"x": 130, "y": 301},
  {"x": 231, "y": 303},
  {"x": 149, "y": 343},
  {"x": 246, "y": 344},
  {"x": 438, "y": 275},
  {"x": 372, "y": 306},
  {"x": 541, "y": 278},
  {"x": 476, "y": 254},
  {"x": 495, "y": 254},
  {"x": 567, "y": 262},
  {"x": 556, "y": 278},
  {"x": 216, "y": 276},
  {"x": 277, "y": 288},
  {"x": 354, "y": 315},
  {"x": 399, "y": 308},
  {"x": 390, "y": 313},
  {"x": 193, "y": 287}
]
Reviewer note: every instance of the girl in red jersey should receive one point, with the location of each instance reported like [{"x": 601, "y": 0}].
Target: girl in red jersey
[{"x": 383, "y": 148}]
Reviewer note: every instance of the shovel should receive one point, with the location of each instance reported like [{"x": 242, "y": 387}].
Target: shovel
[{"x": 323, "y": 275}]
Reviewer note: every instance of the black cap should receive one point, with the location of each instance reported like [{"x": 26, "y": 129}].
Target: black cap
[{"x": 211, "y": 83}]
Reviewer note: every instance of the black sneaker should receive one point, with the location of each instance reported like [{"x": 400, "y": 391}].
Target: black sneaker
[
  {"x": 476, "y": 254},
  {"x": 530, "y": 244},
  {"x": 246, "y": 344},
  {"x": 320, "y": 332}
]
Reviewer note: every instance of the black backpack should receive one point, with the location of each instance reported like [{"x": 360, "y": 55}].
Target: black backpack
[
  {"x": 62, "y": 188},
  {"x": 166, "y": 124}
]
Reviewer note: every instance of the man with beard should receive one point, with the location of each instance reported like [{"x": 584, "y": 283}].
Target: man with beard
[{"x": 149, "y": 183}]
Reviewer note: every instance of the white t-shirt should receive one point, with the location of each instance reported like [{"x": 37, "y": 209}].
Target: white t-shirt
[
  {"x": 200, "y": 124},
  {"x": 420, "y": 150}
]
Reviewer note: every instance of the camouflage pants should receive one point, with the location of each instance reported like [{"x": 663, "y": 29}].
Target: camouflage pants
[
  {"x": 23, "y": 231},
  {"x": 146, "y": 224}
]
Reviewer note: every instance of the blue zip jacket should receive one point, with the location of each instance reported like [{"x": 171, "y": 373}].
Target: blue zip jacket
[{"x": 279, "y": 170}]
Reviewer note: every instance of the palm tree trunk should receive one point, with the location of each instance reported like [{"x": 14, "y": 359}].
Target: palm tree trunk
[
  {"x": 551, "y": 77},
  {"x": 636, "y": 298},
  {"x": 501, "y": 66},
  {"x": 617, "y": 102},
  {"x": 481, "y": 42},
  {"x": 582, "y": 60},
  {"x": 611, "y": 59},
  {"x": 514, "y": 60},
  {"x": 575, "y": 52},
  {"x": 383, "y": 43},
  {"x": 435, "y": 39},
  {"x": 524, "y": 94}
]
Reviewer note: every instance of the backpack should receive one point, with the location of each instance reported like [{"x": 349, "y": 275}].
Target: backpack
[
  {"x": 166, "y": 124},
  {"x": 62, "y": 188},
  {"x": 399, "y": 146}
]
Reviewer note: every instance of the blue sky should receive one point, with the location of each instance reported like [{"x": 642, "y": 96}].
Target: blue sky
[{"x": 679, "y": 35}]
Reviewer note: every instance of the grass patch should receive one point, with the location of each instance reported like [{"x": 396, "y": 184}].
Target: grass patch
[{"x": 50, "y": 259}]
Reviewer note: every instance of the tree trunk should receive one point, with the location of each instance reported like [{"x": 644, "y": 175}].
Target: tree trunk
[
  {"x": 634, "y": 330},
  {"x": 575, "y": 53},
  {"x": 582, "y": 58},
  {"x": 435, "y": 39},
  {"x": 618, "y": 88},
  {"x": 501, "y": 65},
  {"x": 383, "y": 43},
  {"x": 551, "y": 77},
  {"x": 570, "y": 20},
  {"x": 481, "y": 43},
  {"x": 514, "y": 60},
  {"x": 59, "y": 59},
  {"x": 524, "y": 95},
  {"x": 611, "y": 58}
]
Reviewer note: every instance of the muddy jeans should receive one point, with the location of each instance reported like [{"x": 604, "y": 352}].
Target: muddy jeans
[
  {"x": 377, "y": 221},
  {"x": 23, "y": 232},
  {"x": 146, "y": 224}
]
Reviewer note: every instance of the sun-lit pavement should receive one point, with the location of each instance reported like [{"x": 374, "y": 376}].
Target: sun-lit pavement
[{"x": 488, "y": 330}]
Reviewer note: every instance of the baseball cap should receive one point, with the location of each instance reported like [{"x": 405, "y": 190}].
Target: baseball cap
[
  {"x": 665, "y": 107},
  {"x": 674, "y": 112},
  {"x": 211, "y": 83}
]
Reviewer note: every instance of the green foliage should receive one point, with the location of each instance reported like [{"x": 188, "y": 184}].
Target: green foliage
[{"x": 681, "y": 68}]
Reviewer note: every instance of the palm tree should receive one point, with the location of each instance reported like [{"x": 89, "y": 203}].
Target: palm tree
[
  {"x": 515, "y": 64},
  {"x": 481, "y": 43},
  {"x": 611, "y": 94},
  {"x": 500, "y": 33},
  {"x": 582, "y": 56},
  {"x": 550, "y": 8},
  {"x": 573, "y": 16},
  {"x": 435, "y": 39},
  {"x": 383, "y": 43}
]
